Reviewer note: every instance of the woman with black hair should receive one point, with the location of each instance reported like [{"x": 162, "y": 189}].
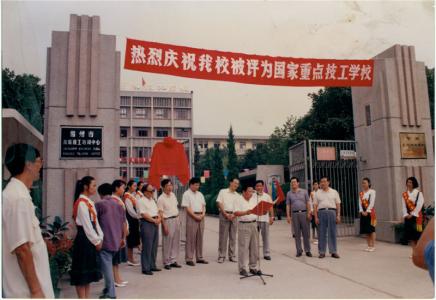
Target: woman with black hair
[
  {"x": 368, "y": 219},
  {"x": 89, "y": 238},
  {"x": 412, "y": 200},
  {"x": 132, "y": 217}
]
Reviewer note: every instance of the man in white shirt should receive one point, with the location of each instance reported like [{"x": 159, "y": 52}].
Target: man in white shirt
[
  {"x": 169, "y": 212},
  {"x": 26, "y": 271},
  {"x": 248, "y": 252},
  {"x": 193, "y": 201},
  {"x": 266, "y": 220},
  {"x": 327, "y": 206},
  {"x": 227, "y": 231}
]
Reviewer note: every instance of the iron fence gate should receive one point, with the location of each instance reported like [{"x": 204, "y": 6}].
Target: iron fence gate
[{"x": 312, "y": 159}]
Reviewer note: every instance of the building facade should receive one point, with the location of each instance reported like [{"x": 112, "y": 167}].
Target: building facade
[
  {"x": 242, "y": 143},
  {"x": 147, "y": 118}
]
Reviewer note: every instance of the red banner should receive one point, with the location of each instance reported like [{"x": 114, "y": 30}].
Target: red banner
[{"x": 245, "y": 68}]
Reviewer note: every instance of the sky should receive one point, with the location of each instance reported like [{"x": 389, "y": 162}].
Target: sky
[{"x": 309, "y": 29}]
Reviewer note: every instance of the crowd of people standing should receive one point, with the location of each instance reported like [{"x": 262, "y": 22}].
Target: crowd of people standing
[{"x": 128, "y": 216}]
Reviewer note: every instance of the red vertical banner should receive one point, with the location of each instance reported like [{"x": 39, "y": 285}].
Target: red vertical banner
[{"x": 199, "y": 63}]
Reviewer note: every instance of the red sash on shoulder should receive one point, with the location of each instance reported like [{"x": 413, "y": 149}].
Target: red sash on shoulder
[
  {"x": 410, "y": 205},
  {"x": 365, "y": 205},
  {"x": 90, "y": 209},
  {"x": 131, "y": 198}
]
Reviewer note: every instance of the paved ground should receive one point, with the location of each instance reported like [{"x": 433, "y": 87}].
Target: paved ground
[{"x": 386, "y": 273}]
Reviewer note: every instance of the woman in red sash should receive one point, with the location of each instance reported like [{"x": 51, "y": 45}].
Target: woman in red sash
[
  {"x": 132, "y": 217},
  {"x": 368, "y": 219},
  {"x": 89, "y": 238},
  {"x": 413, "y": 201}
]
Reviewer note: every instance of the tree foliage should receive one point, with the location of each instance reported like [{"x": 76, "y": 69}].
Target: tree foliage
[
  {"x": 232, "y": 158},
  {"x": 24, "y": 94},
  {"x": 430, "y": 86}
]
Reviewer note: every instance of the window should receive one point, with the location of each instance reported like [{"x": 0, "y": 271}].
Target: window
[
  {"x": 123, "y": 132},
  {"x": 141, "y": 132},
  {"x": 124, "y": 112},
  {"x": 182, "y": 102},
  {"x": 162, "y": 113},
  {"x": 140, "y": 112},
  {"x": 242, "y": 145},
  {"x": 182, "y": 114},
  {"x": 141, "y": 101},
  {"x": 161, "y": 132},
  {"x": 125, "y": 101},
  {"x": 139, "y": 172},
  {"x": 123, "y": 172},
  {"x": 216, "y": 146},
  {"x": 123, "y": 152},
  {"x": 368, "y": 115},
  {"x": 141, "y": 152},
  {"x": 183, "y": 132},
  {"x": 206, "y": 146},
  {"x": 161, "y": 102}
]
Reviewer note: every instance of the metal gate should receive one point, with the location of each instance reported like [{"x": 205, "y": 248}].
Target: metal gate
[{"x": 312, "y": 159}]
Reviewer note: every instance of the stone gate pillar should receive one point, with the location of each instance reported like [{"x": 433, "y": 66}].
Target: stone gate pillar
[
  {"x": 393, "y": 133},
  {"x": 81, "y": 126}
]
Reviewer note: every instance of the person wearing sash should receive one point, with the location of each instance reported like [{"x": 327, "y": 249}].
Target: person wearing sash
[
  {"x": 368, "y": 219},
  {"x": 169, "y": 212},
  {"x": 118, "y": 187},
  {"x": 315, "y": 227},
  {"x": 139, "y": 195},
  {"x": 266, "y": 220},
  {"x": 248, "y": 238},
  {"x": 25, "y": 262},
  {"x": 132, "y": 218},
  {"x": 150, "y": 221},
  {"x": 412, "y": 201},
  {"x": 89, "y": 238}
]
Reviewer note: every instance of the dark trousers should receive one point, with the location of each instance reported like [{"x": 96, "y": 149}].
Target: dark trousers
[
  {"x": 301, "y": 227},
  {"x": 149, "y": 238},
  {"x": 327, "y": 228}
]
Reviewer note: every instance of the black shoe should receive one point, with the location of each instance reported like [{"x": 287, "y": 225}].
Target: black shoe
[
  {"x": 299, "y": 254},
  {"x": 267, "y": 257},
  {"x": 309, "y": 254},
  {"x": 106, "y": 296},
  {"x": 202, "y": 261},
  {"x": 321, "y": 255},
  {"x": 190, "y": 263},
  {"x": 254, "y": 271},
  {"x": 233, "y": 260},
  {"x": 175, "y": 265},
  {"x": 335, "y": 255},
  {"x": 167, "y": 267},
  {"x": 147, "y": 272},
  {"x": 156, "y": 269},
  {"x": 243, "y": 273},
  {"x": 104, "y": 292}
]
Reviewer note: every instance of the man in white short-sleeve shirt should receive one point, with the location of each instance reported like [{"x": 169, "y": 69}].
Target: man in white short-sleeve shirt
[
  {"x": 26, "y": 271},
  {"x": 195, "y": 205},
  {"x": 226, "y": 201}
]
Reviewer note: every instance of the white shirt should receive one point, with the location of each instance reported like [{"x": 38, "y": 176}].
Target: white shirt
[
  {"x": 168, "y": 205},
  {"x": 369, "y": 195},
  {"x": 20, "y": 225},
  {"x": 129, "y": 206},
  {"x": 195, "y": 201},
  {"x": 412, "y": 195},
  {"x": 264, "y": 197},
  {"x": 228, "y": 199},
  {"x": 147, "y": 206},
  {"x": 84, "y": 220},
  {"x": 243, "y": 205},
  {"x": 326, "y": 199}
]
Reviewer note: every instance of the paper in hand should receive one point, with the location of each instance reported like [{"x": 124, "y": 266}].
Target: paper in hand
[{"x": 261, "y": 208}]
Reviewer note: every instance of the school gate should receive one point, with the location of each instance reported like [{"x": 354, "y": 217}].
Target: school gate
[{"x": 311, "y": 159}]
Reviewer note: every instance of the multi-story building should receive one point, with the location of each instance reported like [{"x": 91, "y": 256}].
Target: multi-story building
[
  {"x": 145, "y": 119},
  {"x": 242, "y": 143}
]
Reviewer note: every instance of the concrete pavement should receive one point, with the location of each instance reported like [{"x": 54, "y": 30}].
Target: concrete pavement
[{"x": 386, "y": 273}]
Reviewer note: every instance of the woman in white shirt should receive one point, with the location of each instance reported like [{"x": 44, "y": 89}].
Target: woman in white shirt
[
  {"x": 368, "y": 219},
  {"x": 412, "y": 200},
  {"x": 132, "y": 217},
  {"x": 89, "y": 238}
]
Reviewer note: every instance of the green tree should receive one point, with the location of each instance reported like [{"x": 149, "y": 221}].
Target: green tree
[
  {"x": 24, "y": 94},
  {"x": 197, "y": 166},
  {"x": 232, "y": 158},
  {"x": 430, "y": 86},
  {"x": 217, "y": 171}
]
